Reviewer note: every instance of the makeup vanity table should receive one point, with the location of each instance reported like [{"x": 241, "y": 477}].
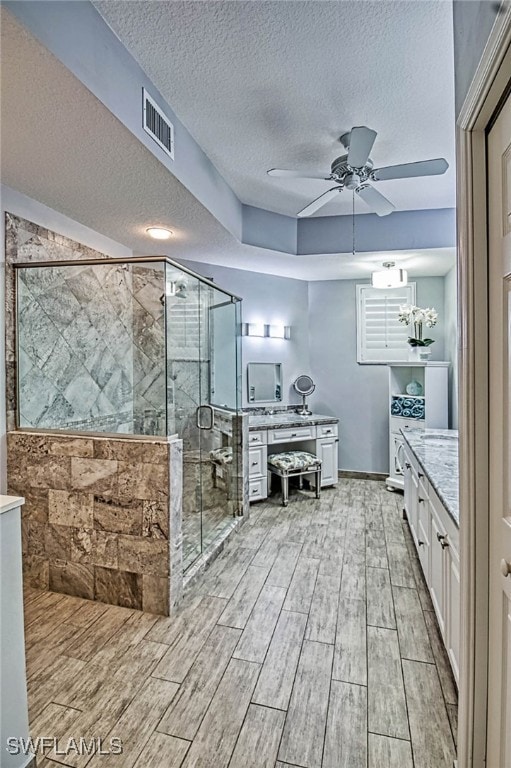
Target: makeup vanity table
[{"x": 288, "y": 431}]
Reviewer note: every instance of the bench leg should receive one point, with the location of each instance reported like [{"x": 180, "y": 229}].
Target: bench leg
[
  {"x": 318, "y": 483},
  {"x": 285, "y": 490}
]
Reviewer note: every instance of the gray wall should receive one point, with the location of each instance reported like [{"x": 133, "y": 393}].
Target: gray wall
[
  {"x": 472, "y": 23},
  {"x": 357, "y": 394},
  {"x": 323, "y": 343},
  {"x": 274, "y": 300}
]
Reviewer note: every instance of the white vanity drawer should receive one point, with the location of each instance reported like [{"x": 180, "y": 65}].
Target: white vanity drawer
[
  {"x": 397, "y": 423},
  {"x": 291, "y": 435},
  {"x": 327, "y": 430},
  {"x": 257, "y": 461},
  {"x": 258, "y": 489},
  {"x": 257, "y": 438}
]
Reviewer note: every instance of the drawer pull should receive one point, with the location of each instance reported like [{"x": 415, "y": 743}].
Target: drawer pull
[
  {"x": 505, "y": 568},
  {"x": 255, "y": 490},
  {"x": 293, "y": 434},
  {"x": 420, "y": 543},
  {"x": 255, "y": 463},
  {"x": 441, "y": 537},
  {"x": 420, "y": 474},
  {"x": 328, "y": 431},
  {"x": 408, "y": 465},
  {"x": 421, "y": 501},
  {"x": 444, "y": 544}
]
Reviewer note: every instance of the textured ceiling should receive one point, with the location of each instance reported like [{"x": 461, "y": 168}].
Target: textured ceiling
[
  {"x": 264, "y": 84},
  {"x": 62, "y": 147}
]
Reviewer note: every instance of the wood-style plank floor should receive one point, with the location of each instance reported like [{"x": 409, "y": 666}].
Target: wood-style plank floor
[{"x": 311, "y": 642}]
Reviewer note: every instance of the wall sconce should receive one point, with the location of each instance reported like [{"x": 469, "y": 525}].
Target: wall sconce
[
  {"x": 266, "y": 331},
  {"x": 389, "y": 277},
  {"x": 278, "y": 331}
]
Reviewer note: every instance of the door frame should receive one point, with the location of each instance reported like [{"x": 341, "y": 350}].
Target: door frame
[{"x": 485, "y": 94}]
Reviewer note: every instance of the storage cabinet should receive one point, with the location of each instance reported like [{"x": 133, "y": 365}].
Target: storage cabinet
[
  {"x": 438, "y": 587},
  {"x": 411, "y": 484},
  {"x": 409, "y": 411},
  {"x": 257, "y": 474},
  {"x": 326, "y": 450},
  {"x": 436, "y": 538}
]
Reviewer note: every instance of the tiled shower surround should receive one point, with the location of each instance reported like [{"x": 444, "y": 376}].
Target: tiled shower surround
[
  {"x": 102, "y": 517},
  {"x": 27, "y": 242},
  {"x": 120, "y": 350},
  {"x": 92, "y": 339}
]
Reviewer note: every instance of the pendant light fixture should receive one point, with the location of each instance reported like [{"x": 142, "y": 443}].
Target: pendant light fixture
[{"x": 390, "y": 277}]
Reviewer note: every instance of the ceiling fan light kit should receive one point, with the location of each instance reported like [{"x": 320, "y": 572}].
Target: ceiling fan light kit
[
  {"x": 355, "y": 170},
  {"x": 389, "y": 277}
]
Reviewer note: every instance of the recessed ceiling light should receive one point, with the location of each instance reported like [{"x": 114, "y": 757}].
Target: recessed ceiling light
[{"x": 159, "y": 233}]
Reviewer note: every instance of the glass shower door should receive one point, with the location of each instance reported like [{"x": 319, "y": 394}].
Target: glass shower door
[
  {"x": 183, "y": 359},
  {"x": 220, "y": 392},
  {"x": 203, "y": 380}
]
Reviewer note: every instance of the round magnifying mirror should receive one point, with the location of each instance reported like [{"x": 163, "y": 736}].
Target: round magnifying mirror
[{"x": 304, "y": 385}]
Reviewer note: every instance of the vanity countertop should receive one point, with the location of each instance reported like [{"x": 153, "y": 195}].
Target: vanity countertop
[
  {"x": 286, "y": 419},
  {"x": 10, "y": 502},
  {"x": 436, "y": 450}
]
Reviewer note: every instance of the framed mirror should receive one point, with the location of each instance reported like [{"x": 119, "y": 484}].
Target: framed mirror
[{"x": 264, "y": 382}]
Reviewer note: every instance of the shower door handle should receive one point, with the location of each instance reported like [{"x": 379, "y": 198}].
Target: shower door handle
[{"x": 198, "y": 416}]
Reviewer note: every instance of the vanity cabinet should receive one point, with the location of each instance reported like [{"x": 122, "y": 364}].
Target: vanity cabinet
[
  {"x": 13, "y": 694},
  {"x": 257, "y": 460},
  {"x": 436, "y": 538},
  {"x": 414, "y": 411},
  {"x": 321, "y": 439},
  {"x": 326, "y": 450}
]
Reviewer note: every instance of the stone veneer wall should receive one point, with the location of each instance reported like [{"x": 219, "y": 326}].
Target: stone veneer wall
[
  {"x": 25, "y": 242},
  {"x": 102, "y": 517}
]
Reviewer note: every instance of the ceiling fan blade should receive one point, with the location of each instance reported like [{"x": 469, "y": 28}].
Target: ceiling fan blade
[
  {"x": 361, "y": 144},
  {"x": 409, "y": 170},
  {"x": 375, "y": 200},
  {"x": 280, "y": 173},
  {"x": 319, "y": 202}
]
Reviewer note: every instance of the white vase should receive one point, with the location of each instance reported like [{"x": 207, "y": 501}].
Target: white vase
[{"x": 418, "y": 354}]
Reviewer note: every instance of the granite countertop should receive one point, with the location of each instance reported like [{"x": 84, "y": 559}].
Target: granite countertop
[
  {"x": 287, "y": 419},
  {"x": 436, "y": 450}
]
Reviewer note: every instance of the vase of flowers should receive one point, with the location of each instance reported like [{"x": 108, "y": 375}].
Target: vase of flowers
[{"x": 416, "y": 317}]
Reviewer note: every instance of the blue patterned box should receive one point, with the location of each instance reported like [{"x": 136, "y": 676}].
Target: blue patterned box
[{"x": 408, "y": 407}]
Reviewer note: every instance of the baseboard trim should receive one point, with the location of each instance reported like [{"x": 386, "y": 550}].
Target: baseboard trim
[{"x": 349, "y": 473}]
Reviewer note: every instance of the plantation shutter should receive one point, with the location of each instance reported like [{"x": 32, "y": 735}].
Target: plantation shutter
[{"x": 381, "y": 338}]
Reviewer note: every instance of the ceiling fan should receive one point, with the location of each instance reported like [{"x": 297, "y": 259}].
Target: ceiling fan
[{"x": 355, "y": 169}]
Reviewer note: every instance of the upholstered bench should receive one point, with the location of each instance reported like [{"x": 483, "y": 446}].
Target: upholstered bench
[{"x": 294, "y": 464}]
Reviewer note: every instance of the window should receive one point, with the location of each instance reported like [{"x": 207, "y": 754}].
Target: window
[{"x": 381, "y": 338}]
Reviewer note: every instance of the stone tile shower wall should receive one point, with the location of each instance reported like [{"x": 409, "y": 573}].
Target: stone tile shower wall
[
  {"x": 28, "y": 242},
  {"x": 75, "y": 348},
  {"x": 148, "y": 327},
  {"x": 102, "y": 517}
]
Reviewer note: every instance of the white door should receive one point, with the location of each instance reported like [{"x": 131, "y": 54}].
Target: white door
[{"x": 499, "y": 208}]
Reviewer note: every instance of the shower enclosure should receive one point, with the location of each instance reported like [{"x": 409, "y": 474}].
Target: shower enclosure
[{"x": 137, "y": 347}]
